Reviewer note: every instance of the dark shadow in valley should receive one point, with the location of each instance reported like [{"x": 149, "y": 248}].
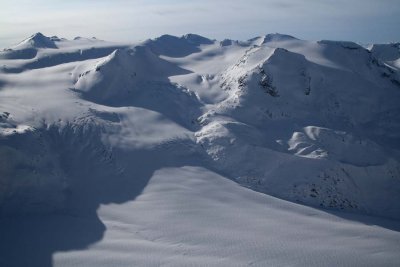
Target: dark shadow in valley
[
  {"x": 95, "y": 178},
  {"x": 32, "y": 240},
  {"x": 95, "y": 174}
]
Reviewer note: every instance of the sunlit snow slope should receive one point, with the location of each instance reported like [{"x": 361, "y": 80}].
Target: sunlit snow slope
[{"x": 184, "y": 151}]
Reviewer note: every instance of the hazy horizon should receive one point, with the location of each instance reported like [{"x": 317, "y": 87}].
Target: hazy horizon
[{"x": 365, "y": 21}]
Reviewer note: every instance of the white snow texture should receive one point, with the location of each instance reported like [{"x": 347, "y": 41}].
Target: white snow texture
[{"x": 186, "y": 151}]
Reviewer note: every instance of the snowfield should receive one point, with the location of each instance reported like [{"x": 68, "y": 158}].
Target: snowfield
[{"x": 186, "y": 151}]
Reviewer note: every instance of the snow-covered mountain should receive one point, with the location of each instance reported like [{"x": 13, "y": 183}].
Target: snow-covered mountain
[
  {"x": 389, "y": 53},
  {"x": 88, "y": 125}
]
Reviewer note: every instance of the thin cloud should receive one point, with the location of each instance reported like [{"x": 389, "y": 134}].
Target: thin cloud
[{"x": 358, "y": 20}]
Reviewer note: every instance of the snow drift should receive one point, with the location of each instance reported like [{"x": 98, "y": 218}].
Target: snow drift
[{"x": 86, "y": 123}]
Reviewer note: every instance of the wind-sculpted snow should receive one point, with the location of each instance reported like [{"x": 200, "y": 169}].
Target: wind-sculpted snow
[
  {"x": 322, "y": 142},
  {"x": 282, "y": 103},
  {"x": 278, "y": 100},
  {"x": 122, "y": 154},
  {"x": 138, "y": 77}
]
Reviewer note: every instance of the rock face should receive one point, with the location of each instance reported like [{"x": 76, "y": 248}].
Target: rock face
[{"x": 310, "y": 122}]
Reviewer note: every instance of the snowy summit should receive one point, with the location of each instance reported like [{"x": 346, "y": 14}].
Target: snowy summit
[{"x": 186, "y": 151}]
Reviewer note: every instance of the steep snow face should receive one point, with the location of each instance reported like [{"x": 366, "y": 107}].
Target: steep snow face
[
  {"x": 107, "y": 135},
  {"x": 137, "y": 77},
  {"x": 294, "y": 87},
  {"x": 389, "y": 53},
  {"x": 284, "y": 108},
  {"x": 319, "y": 120},
  {"x": 36, "y": 178},
  {"x": 317, "y": 142},
  {"x": 32, "y": 180},
  {"x": 386, "y": 52},
  {"x": 142, "y": 63}
]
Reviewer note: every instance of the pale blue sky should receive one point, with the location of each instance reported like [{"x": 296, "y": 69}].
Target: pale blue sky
[{"x": 122, "y": 20}]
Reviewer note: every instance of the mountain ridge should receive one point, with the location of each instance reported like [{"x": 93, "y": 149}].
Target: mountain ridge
[
  {"x": 318, "y": 97},
  {"x": 182, "y": 150}
]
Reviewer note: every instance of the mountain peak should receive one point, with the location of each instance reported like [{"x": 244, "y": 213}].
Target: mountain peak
[
  {"x": 196, "y": 39},
  {"x": 170, "y": 45},
  {"x": 37, "y": 40},
  {"x": 273, "y": 37},
  {"x": 189, "y": 38},
  {"x": 166, "y": 37},
  {"x": 38, "y": 35}
]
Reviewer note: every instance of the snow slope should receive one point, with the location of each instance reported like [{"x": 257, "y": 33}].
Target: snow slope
[
  {"x": 190, "y": 151},
  {"x": 190, "y": 216},
  {"x": 280, "y": 103}
]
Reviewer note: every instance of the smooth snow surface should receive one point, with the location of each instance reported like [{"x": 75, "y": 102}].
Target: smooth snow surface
[
  {"x": 190, "y": 216},
  {"x": 186, "y": 151}
]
